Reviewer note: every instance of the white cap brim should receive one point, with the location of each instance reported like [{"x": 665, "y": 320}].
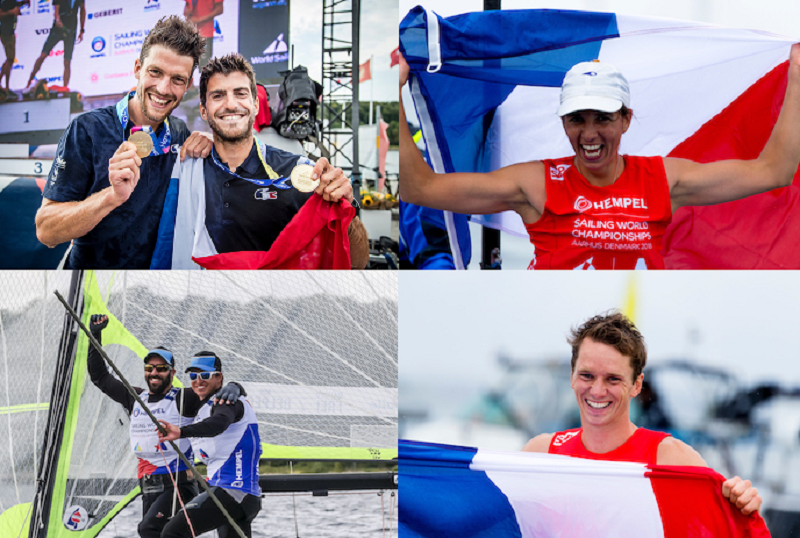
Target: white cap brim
[{"x": 589, "y": 102}]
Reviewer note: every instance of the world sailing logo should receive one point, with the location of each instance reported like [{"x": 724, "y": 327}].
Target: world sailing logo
[
  {"x": 76, "y": 518},
  {"x": 277, "y": 51}
]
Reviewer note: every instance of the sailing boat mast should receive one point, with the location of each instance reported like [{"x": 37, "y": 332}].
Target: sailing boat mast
[{"x": 59, "y": 398}]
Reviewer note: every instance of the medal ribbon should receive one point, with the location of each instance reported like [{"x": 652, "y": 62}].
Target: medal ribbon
[
  {"x": 274, "y": 181},
  {"x": 160, "y": 144}
]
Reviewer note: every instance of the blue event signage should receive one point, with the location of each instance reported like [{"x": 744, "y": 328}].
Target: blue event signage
[{"x": 264, "y": 37}]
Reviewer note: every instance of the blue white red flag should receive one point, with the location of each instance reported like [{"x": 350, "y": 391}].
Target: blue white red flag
[
  {"x": 451, "y": 491},
  {"x": 315, "y": 238},
  {"x": 486, "y": 90}
]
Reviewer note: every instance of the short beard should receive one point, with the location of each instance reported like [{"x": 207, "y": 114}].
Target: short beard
[
  {"x": 161, "y": 390},
  {"x": 220, "y": 135},
  {"x": 140, "y": 94}
]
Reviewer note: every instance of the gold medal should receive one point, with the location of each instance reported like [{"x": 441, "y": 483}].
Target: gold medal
[
  {"x": 143, "y": 143},
  {"x": 301, "y": 178}
]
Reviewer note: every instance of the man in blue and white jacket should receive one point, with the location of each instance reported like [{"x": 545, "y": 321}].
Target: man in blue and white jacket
[{"x": 226, "y": 439}]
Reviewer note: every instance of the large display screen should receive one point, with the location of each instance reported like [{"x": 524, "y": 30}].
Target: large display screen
[
  {"x": 102, "y": 64},
  {"x": 264, "y": 36}
]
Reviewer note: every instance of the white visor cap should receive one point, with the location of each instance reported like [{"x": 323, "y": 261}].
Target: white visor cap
[{"x": 594, "y": 86}]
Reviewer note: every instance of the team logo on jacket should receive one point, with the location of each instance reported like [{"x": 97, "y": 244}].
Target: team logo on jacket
[
  {"x": 266, "y": 194},
  {"x": 557, "y": 172},
  {"x": 58, "y": 165},
  {"x": 76, "y": 518},
  {"x": 563, "y": 438},
  {"x": 582, "y": 204}
]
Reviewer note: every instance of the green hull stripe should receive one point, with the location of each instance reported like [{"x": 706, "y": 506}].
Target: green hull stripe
[{"x": 325, "y": 453}]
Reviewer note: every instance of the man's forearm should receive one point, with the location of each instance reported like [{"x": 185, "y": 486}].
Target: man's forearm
[
  {"x": 414, "y": 171},
  {"x": 359, "y": 244},
  {"x": 781, "y": 153},
  {"x": 59, "y": 222},
  {"x": 103, "y": 380},
  {"x": 221, "y": 417}
]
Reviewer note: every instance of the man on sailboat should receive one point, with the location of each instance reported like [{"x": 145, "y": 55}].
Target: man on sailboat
[
  {"x": 608, "y": 356},
  {"x": 157, "y": 461},
  {"x": 227, "y": 440}
]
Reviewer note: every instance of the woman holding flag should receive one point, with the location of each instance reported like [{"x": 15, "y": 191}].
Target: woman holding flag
[{"x": 599, "y": 209}]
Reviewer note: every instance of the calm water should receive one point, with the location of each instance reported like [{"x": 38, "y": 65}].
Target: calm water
[{"x": 340, "y": 515}]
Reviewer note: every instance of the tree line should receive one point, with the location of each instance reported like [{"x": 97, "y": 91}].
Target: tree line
[{"x": 389, "y": 110}]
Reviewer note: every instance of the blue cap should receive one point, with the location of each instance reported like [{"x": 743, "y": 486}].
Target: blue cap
[
  {"x": 163, "y": 353},
  {"x": 206, "y": 363}
]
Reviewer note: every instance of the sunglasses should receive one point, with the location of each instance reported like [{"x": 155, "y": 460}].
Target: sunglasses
[
  {"x": 205, "y": 376},
  {"x": 160, "y": 368}
]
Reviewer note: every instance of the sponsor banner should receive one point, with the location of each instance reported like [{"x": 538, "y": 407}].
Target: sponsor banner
[
  {"x": 264, "y": 37},
  {"x": 102, "y": 63}
]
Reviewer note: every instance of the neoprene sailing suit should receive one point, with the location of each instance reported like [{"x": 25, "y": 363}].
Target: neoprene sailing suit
[{"x": 227, "y": 440}]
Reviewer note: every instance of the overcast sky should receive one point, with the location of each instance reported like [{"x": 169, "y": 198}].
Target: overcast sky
[
  {"x": 379, "y": 37},
  {"x": 454, "y": 324}
]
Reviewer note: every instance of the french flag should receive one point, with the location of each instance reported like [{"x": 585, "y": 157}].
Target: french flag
[
  {"x": 315, "y": 238},
  {"x": 451, "y": 491},
  {"x": 486, "y": 90}
]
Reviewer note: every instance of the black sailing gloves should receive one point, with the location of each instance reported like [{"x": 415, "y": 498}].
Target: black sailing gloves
[{"x": 97, "y": 323}]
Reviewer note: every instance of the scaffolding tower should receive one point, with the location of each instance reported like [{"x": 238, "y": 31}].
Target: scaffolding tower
[{"x": 339, "y": 135}]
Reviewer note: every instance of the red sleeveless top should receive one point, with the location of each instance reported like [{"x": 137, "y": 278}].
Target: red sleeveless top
[
  {"x": 616, "y": 227},
  {"x": 641, "y": 447}
]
